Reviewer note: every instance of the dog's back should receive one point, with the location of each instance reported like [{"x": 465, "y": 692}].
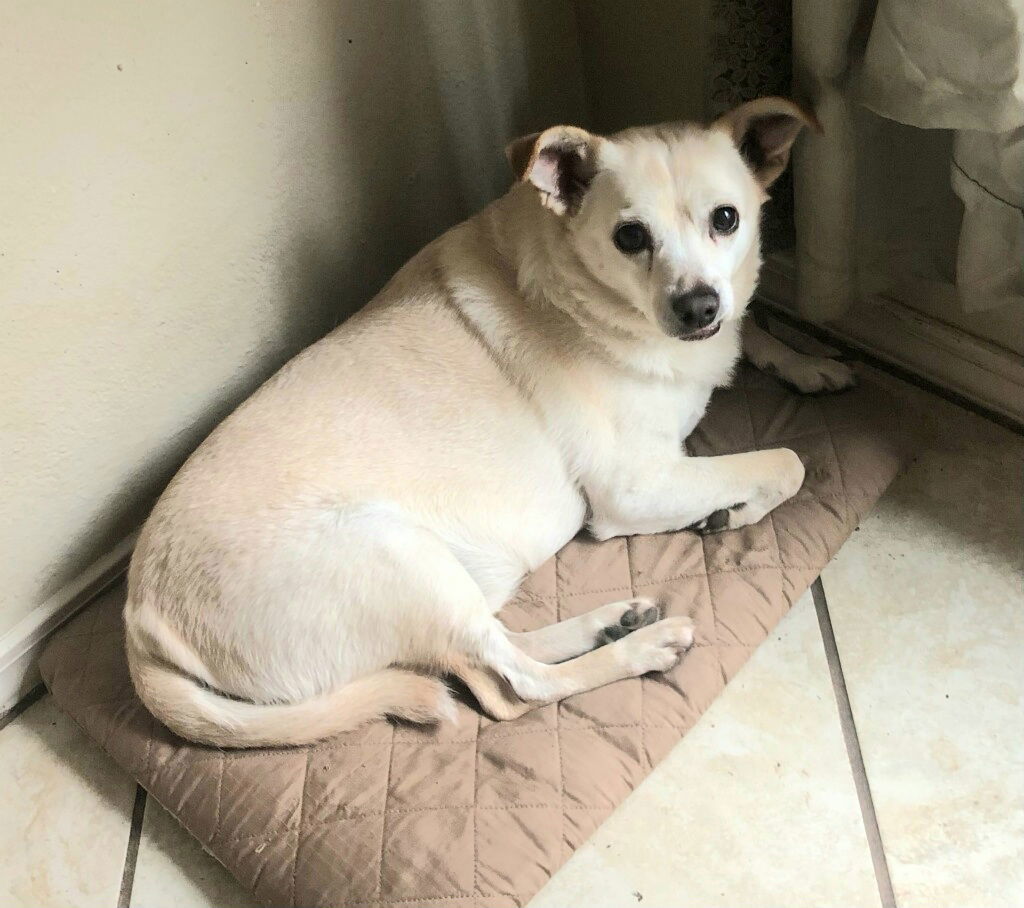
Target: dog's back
[{"x": 358, "y": 450}]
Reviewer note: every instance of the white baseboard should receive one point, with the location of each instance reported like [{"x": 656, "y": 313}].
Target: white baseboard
[
  {"x": 21, "y": 646},
  {"x": 975, "y": 369}
]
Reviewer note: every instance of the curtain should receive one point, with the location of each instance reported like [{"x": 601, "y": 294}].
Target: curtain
[
  {"x": 875, "y": 204},
  {"x": 751, "y": 57}
]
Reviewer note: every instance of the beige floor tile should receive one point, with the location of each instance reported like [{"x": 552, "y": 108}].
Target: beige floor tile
[
  {"x": 756, "y": 807},
  {"x": 65, "y": 812},
  {"x": 173, "y": 871},
  {"x": 928, "y": 608}
]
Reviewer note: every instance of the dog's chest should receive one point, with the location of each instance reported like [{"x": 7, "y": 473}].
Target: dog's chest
[
  {"x": 672, "y": 409},
  {"x": 664, "y": 410}
]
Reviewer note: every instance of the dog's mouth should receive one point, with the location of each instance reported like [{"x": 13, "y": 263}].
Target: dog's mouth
[{"x": 702, "y": 333}]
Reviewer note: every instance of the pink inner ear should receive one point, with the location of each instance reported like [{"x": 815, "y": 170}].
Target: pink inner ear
[{"x": 545, "y": 171}]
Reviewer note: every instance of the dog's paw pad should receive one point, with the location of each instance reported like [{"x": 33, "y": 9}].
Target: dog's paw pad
[
  {"x": 614, "y": 632},
  {"x": 630, "y": 619},
  {"x": 715, "y": 522},
  {"x": 641, "y": 612},
  {"x": 650, "y": 615}
]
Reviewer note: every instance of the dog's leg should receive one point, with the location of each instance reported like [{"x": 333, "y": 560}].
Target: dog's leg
[
  {"x": 658, "y": 494},
  {"x": 575, "y": 636},
  {"x": 507, "y": 682},
  {"x": 807, "y": 374}
]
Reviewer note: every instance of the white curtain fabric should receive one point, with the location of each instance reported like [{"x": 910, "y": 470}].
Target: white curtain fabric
[{"x": 870, "y": 214}]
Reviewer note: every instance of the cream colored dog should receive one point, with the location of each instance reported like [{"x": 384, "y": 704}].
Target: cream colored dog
[{"x": 350, "y": 532}]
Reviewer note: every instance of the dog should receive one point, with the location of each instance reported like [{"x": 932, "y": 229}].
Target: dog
[{"x": 346, "y": 537}]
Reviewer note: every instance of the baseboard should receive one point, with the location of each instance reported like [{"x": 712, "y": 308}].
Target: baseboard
[
  {"x": 979, "y": 371},
  {"x": 21, "y": 645}
]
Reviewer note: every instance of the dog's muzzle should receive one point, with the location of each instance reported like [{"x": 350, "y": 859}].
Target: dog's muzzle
[{"x": 696, "y": 311}]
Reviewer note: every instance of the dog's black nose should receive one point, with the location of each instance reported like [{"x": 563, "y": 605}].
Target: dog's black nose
[{"x": 696, "y": 308}]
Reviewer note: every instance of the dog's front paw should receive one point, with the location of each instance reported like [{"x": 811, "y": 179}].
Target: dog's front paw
[
  {"x": 717, "y": 521},
  {"x": 780, "y": 475},
  {"x": 818, "y": 375}
]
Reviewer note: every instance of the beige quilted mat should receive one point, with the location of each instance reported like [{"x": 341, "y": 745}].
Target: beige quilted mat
[{"x": 482, "y": 813}]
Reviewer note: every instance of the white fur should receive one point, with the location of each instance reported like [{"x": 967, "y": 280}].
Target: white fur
[{"x": 351, "y": 530}]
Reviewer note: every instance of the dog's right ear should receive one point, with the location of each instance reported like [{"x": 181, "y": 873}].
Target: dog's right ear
[{"x": 559, "y": 162}]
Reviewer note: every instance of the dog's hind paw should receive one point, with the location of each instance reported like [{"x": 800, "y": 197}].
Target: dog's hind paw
[
  {"x": 659, "y": 647},
  {"x": 639, "y": 613}
]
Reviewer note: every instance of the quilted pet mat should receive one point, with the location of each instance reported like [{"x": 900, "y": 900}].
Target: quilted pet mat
[{"x": 482, "y": 813}]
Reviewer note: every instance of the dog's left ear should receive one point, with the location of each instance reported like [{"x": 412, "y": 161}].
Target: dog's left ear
[
  {"x": 559, "y": 162},
  {"x": 764, "y": 132}
]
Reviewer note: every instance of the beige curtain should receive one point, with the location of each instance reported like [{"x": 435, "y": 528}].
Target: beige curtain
[{"x": 875, "y": 210}]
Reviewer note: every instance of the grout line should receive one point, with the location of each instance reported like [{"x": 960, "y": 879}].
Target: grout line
[
  {"x": 855, "y": 351},
  {"x": 131, "y": 855},
  {"x": 853, "y": 751},
  {"x": 24, "y": 703}
]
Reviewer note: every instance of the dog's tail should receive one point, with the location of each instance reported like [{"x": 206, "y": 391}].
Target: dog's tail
[{"x": 200, "y": 714}]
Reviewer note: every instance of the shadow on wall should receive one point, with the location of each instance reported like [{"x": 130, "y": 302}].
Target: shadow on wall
[
  {"x": 437, "y": 90},
  {"x": 397, "y": 134},
  {"x": 645, "y": 62}
]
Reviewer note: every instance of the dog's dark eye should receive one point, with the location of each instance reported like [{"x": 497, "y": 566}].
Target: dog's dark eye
[
  {"x": 631, "y": 238},
  {"x": 725, "y": 219}
]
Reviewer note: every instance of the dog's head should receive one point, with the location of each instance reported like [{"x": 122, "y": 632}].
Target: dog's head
[{"x": 666, "y": 218}]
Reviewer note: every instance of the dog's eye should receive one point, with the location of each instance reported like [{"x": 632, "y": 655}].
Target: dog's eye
[
  {"x": 725, "y": 219},
  {"x": 631, "y": 237}
]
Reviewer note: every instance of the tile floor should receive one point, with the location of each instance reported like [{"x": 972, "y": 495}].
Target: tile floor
[{"x": 911, "y": 660}]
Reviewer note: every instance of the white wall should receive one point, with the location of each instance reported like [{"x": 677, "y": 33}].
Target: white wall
[{"x": 191, "y": 191}]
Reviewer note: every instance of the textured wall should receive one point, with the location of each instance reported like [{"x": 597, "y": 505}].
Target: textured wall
[
  {"x": 192, "y": 191},
  {"x": 645, "y": 62}
]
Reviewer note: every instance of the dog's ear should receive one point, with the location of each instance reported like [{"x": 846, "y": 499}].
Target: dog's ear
[
  {"x": 764, "y": 132},
  {"x": 560, "y": 162}
]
